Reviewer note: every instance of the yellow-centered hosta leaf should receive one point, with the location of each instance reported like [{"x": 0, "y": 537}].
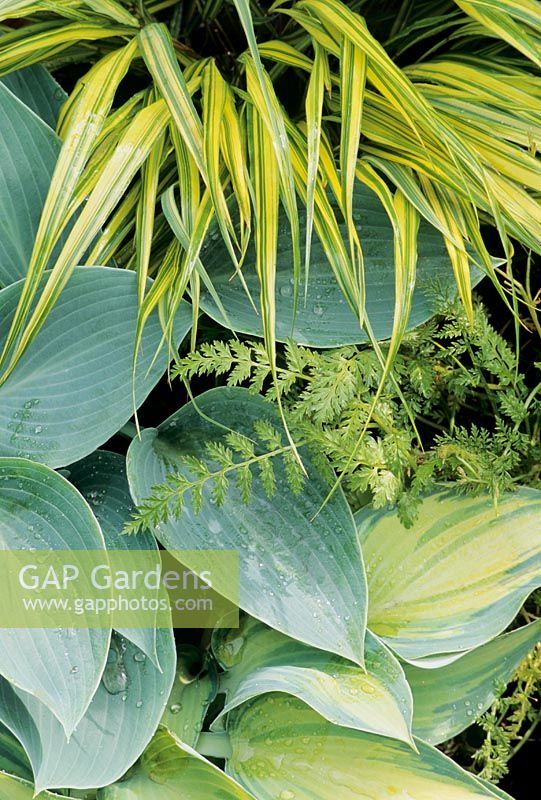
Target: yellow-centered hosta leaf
[
  {"x": 282, "y": 749},
  {"x": 458, "y": 577}
]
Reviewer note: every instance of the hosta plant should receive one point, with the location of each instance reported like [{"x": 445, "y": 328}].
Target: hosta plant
[
  {"x": 323, "y": 178},
  {"x": 363, "y": 644}
]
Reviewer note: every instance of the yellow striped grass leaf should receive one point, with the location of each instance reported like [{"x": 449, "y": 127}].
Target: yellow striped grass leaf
[
  {"x": 131, "y": 152},
  {"x": 458, "y": 577},
  {"x": 517, "y": 22},
  {"x": 41, "y": 40},
  {"x": 92, "y": 108},
  {"x": 353, "y": 67},
  {"x": 319, "y": 81},
  {"x": 157, "y": 49},
  {"x": 146, "y": 212},
  {"x": 269, "y": 108}
]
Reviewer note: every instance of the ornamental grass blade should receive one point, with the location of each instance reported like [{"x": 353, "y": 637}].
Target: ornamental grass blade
[
  {"x": 353, "y": 68},
  {"x": 517, "y": 22},
  {"x": 131, "y": 152},
  {"x": 319, "y": 81},
  {"x": 93, "y": 105},
  {"x": 157, "y": 49},
  {"x": 39, "y": 41}
]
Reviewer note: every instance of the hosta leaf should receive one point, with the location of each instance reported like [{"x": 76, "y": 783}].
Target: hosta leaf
[
  {"x": 13, "y": 788},
  {"x": 188, "y": 703},
  {"x": 448, "y": 699},
  {"x": 119, "y": 723},
  {"x": 39, "y": 509},
  {"x": 28, "y": 152},
  {"x": 259, "y": 660},
  {"x": 101, "y": 479},
  {"x": 282, "y": 749},
  {"x": 173, "y": 771},
  {"x": 326, "y": 319},
  {"x": 38, "y": 90},
  {"x": 302, "y": 577},
  {"x": 458, "y": 577},
  {"x": 70, "y": 393}
]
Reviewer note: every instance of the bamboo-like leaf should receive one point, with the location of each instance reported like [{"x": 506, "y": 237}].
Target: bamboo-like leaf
[
  {"x": 33, "y": 43},
  {"x": 93, "y": 106},
  {"x": 266, "y": 200},
  {"x": 132, "y": 150},
  {"x": 509, "y": 20},
  {"x": 157, "y": 49},
  {"x": 445, "y": 208},
  {"x": 272, "y": 117},
  {"x": 233, "y": 144},
  {"x": 215, "y": 92},
  {"x": 353, "y": 68},
  {"x": 319, "y": 80},
  {"x": 146, "y": 212}
]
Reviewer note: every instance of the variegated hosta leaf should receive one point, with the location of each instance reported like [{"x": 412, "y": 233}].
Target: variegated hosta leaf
[
  {"x": 171, "y": 770},
  {"x": 448, "y": 699},
  {"x": 39, "y": 509},
  {"x": 282, "y": 749},
  {"x": 189, "y": 699},
  {"x": 259, "y": 660},
  {"x": 119, "y": 723},
  {"x": 282, "y": 548},
  {"x": 14, "y": 788},
  {"x": 458, "y": 577},
  {"x": 101, "y": 479}
]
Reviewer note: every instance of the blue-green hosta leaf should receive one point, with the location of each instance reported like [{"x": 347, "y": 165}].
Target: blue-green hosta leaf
[
  {"x": 283, "y": 749},
  {"x": 37, "y": 89},
  {"x": 119, "y": 723},
  {"x": 28, "y": 152},
  {"x": 101, "y": 479},
  {"x": 260, "y": 660},
  {"x": 449, "y": 699},
  {"x": 303, "y": 577},
  {"x": 173, "y": 771},
  {"x": 326, "y": 320},
  {"x": 71, "y": 390},
  {"x": 458, "y": 577},
  {"x": 39, "y": 509}
]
